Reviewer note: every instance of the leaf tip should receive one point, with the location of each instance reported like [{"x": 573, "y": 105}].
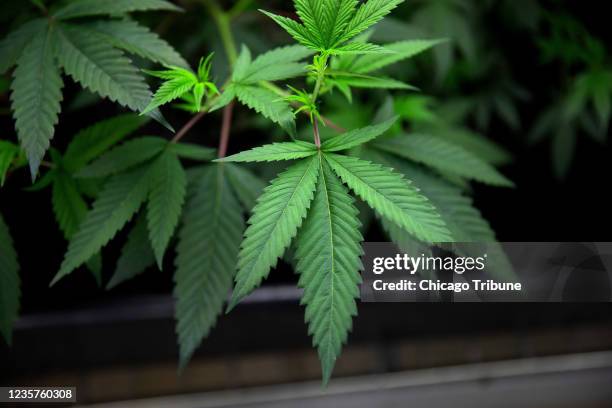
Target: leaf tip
[
  {"x": 232, "y": 304},
  {"x": 56, "y": 279}
]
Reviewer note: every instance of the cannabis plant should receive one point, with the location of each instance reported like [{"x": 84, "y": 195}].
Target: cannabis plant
[
  {"x": 342, "y": 159},
  {"x": 582, "y": 104}
]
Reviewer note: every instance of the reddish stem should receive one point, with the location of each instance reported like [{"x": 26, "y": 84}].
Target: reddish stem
[
  {"x": 226, "y": 128},
  {"x": 317, "y": 137},
  {"x": 332, "y": 125},
  {"x": 185, "y": 129}
]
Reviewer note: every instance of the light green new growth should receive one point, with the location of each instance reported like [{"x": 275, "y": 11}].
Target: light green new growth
[
  {"x": 180, "y": 81},
  {"x": 248, "y": 75}
]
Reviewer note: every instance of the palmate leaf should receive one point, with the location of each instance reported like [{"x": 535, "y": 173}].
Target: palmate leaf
[
  {"x": 136, "y": 255},
  {"x": 274, "y": 152},
  {"x": 118, "y": 202},
  {"x": 245, "y": 184},
  {"x": 36, "y": 96},
  {"x": 328, "y": 24},
  {"x": 12, "y": 46},
  {"x": 392, "y": 196},
  {"x": 166, "y": 197},
  {"x": 94, "y": 140},
  {"x": 10, "y": 291},
  {"x": 125, "y": 156},
  {"x": 328, "y": 253},
  {"x": 357, "y": 137},
  {"x": 443, "y": 156},
  {"x": 84, "y": 8},
  {"x": 209, "y": 242},
  {"x": 136, "y": 39},
  {"x": 276, "y": 218}
]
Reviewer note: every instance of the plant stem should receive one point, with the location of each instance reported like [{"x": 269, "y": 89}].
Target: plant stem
[
  {"x": 185, "y": 129},
  {"x": 226, "y": 128},
  {"x": 238, "y": 8},
  {"x": 321, "y": 64},
  {"x": 317, "y": 136},
  {"x": 317, "y": 89},
  {"x": 222, "y": 21}
]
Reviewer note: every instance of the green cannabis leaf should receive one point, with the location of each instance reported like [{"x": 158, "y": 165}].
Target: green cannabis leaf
[
  {"x": 180, "y": 81},
  {"x": 311, "y": 192},
  {"x": 328, "y": 253},
  {"x": 248, "y": 80},
  {"x": 88, "y": 51},
  {"x": 276, "y": 218},
  {"x": 463, "y": 220},
  {"x": 136, "y": 255},
  {"x": 9, "y": 152},
  {"x": 208, "y": 247},
  {"x": 328, "y": 25},
  {"x": 414, "y": 176},
  {"x": 443, "y": 156},
  {"x": 144, "y": 169}
]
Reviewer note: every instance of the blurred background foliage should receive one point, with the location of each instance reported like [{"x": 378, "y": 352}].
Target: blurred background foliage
[{"x": 478, "y": 76}]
